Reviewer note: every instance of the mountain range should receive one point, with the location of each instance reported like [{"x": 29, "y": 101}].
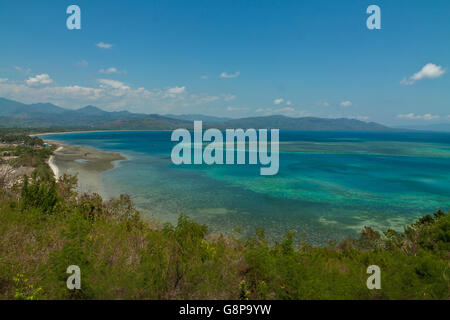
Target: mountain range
[{"x": 47, "y": 115}]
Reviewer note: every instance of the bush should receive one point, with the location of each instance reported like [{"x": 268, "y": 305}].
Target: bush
[{"x": 121, "y": 256}]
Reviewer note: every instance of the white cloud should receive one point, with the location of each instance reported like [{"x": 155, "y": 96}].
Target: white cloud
[
  {"x": 23, "y": 70},
  {"x": 55, "y": 94},
  {"x": 104, "y": 45},
  {"x": 40, "y": 79},
  {"x": 323, "y": 104},
  {"x": 235, "y": 109},
  {"x": 114, "y": 95},
  {"x": 430, "y": 117},
  {"x": 109, "y": 70},
  {"x": 74, "y": 92},
  {"x": 225, "y": 75},
  {"x": 3, "y": 80},
  {"x": 204, "y": 77},
  {"x": 361, "y": 118},
  {"x": 428, "y": 71},
  {"x": 278, "y": 101},
  {"x": 229, "y": 97},
  {"x": 82, "y": 63},
  {"x": 176, "y": 90},
  {"x": 413, "y": 116},
  {"x": 407, "y": 82},
  {"x": 286, "y": 111},
  {"x": 282, "y": 101},
  {"x": 407, "y": 116},
  {"x": 346, "y": 104},
  {"x": 113, "y": 84}
]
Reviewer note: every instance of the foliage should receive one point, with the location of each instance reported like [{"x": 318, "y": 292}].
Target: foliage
[
  {"x": 40, "y": 195},
  {"x": 14, "y": 137},
  {"x": 31, "y": 157},
  {"x": 24, "y": 291},
  {"x": 50, "y": 226}
]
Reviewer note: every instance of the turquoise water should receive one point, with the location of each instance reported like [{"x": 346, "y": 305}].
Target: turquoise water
[{"x": 329, "y": 186}]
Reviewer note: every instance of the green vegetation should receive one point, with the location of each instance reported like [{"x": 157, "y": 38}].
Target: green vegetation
[
  {"x": 47, "y": 226},
  {"x": 20, "y": 139},
  {"x": 20, "y": 150},
  {"x": 31, "y": 157},
  {"x": 24, "y": 132}
]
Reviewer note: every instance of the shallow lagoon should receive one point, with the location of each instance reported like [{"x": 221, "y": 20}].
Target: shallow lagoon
[{"x": 330, "y": 184}]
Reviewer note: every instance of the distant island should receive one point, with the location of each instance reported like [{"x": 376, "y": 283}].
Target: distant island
[{"x": 47, "y": 115}]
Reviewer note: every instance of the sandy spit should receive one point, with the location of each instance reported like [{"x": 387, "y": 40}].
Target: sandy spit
[{"x": 84, "y": 162}]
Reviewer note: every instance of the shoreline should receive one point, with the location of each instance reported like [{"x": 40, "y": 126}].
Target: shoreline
[
  {"x": 88, "y": 177},
  {"x": 84, "y": 162},
  {"x": 91, "y": 131},
  {"x": 52, "y": 165}
]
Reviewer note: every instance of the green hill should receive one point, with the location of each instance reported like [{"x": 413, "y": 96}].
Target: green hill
[{"x": 46, "y": 115}]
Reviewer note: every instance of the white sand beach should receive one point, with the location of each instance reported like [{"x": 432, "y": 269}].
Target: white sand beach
[
  {"x": 84, "y": 162},
  {"x": 52, "y": 165}
]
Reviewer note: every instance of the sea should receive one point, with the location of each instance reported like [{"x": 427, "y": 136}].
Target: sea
[{"x": 330, "y": 185}]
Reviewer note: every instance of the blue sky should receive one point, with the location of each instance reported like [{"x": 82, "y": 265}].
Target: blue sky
[{"x": 232, "y": 58}]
